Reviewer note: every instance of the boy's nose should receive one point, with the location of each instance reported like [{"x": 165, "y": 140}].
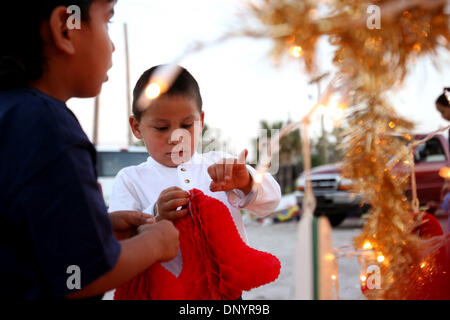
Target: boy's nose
[{"x": 174, "y": 140}]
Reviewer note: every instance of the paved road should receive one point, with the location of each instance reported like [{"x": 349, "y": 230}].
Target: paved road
[{"x": 279, "y": 239}]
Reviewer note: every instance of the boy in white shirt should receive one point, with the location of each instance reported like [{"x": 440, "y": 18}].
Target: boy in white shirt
[{"x": 159, "y": 186}]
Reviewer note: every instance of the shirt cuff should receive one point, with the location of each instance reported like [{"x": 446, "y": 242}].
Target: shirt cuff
[{"x": 239, "y": 199}]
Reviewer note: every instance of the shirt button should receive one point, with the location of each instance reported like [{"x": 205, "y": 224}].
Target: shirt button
[
  {"x": 187, "y": 181},
  {"x": 183, "y": 169}
]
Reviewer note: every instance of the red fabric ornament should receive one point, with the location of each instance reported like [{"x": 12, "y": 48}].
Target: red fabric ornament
[
  {"x": 437, "y": 285},
  {"x": 217, "y": 263}
]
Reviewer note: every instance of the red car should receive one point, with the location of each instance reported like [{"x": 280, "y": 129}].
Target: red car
[{"x": 336, "y": 201}]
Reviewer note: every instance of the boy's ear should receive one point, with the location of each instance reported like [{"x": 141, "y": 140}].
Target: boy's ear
[
  {"x": 134, "y": 124},
  {"x": 203, "y": 119},
  {"x": 60, "y": 34}
]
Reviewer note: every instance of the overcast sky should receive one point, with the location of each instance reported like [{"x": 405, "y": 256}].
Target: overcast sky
[{"x": 239, "y": 84}]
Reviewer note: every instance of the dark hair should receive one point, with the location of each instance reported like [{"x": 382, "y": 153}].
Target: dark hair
[
  {"x": 184, "y": 85},
  {"x": 442, "y": 99},
  {"x": 21, "y": 51}
]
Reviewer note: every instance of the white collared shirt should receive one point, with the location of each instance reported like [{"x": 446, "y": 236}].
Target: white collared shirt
[{"x": 138, "y": 187}]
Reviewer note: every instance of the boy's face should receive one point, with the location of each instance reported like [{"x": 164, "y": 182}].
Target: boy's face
[
  {"x": 94, "y": 49},
  {"x": 170, "y": 128}
]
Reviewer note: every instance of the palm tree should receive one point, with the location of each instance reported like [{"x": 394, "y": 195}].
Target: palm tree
[{"x": 290, "y": 145}]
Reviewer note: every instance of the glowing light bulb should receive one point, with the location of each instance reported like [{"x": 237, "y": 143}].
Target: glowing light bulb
[
  {"x": 259, "y": 177},
  {"x": 313, "y": 13},
  {"x": 329, "y": 257},
  {"x": 343, "y": 105},
  {"x": 380, "y": 258},
  {"x": 333, "y": 277},
  {"x": 296, "y": 51},
  {"x": 363, "y": 278},
  {"x": 321, "y": 109},
  {"x": 444, "y": 173},
  {"x": 423, "y": 264},
  {"x": 337, "y": 114},
  {"x": 153, "y": 91},
  {"x": 367, "y": 245}
]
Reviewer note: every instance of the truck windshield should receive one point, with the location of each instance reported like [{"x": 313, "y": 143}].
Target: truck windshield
[
  {"x": 110, "y": 163},
  {"x": 431, "y": 151}
]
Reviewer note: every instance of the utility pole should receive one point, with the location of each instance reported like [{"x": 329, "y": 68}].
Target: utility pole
[
  {"x": 324, "y": 144},
  {"x": 127, "y": 64},
  {"x": 95, "y": 128}
]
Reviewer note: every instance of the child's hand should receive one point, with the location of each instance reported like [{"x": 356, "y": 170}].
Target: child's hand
[
  {"x": 229, "y": 174},
  {"x": 125, "y": 223},
  {"x": 168, "y": 202},
  {"x": 165, "y": 238}
]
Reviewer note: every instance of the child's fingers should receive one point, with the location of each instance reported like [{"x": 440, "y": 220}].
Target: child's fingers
[
  {"x": 174, "y": 194},
  {"x": 216, "y": 172},
  {"x": 229, "y": 169},
  {"x": 220, "y": 171},
  {"x": 175, "y": 203},
  {"x": 175, "y": 214},
  {"x": 130, "y": 218},
  {"x": 212, "y": 172},
  {"x": 178, "y": 194},
  {"x": 182, "y": 212},
  {"x": 144, "y": 215},
  {"x": 139, "y": 218},
  {"x": 242, "y": 159},
  {"x": 214, "y": 187},
  {"x": 150, "y": 220},
  {"x": 171, "y": 189}
]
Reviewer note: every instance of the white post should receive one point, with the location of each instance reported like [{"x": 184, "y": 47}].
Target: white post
[{"x": 127, "y": 64}]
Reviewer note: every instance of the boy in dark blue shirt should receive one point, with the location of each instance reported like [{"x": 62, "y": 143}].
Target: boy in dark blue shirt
[{"x": 58, "y": 240}]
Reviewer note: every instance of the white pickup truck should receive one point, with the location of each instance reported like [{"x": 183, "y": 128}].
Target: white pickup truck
[{"x": 110, "y": 160}]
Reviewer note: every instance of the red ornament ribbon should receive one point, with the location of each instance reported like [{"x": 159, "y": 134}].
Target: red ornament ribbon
[{"x": 217, "y": 263}]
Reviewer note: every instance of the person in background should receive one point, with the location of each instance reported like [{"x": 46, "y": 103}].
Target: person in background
[{"x": 443, "y": 106}]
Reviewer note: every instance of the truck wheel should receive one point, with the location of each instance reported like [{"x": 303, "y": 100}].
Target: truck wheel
[{"x": 336, "y": 219}]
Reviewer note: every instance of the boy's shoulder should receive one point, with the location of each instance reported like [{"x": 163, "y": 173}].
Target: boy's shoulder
[
  {"x": 36, "y": 110},
  {"x": 27, "y": 102},
  {"x": 29, "y": 112},
  {"x": 135, "y": 170}
]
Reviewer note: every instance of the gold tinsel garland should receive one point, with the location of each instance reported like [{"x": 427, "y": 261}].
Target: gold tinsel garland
[{"x": 370, "y": 62}]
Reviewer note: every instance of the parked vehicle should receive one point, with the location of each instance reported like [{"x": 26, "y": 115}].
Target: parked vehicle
[
  {"x": 336, "y": 201},
  {"x": 110, "y": 160}
]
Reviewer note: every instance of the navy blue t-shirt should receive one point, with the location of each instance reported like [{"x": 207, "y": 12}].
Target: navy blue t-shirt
[{"x": 52, "y": 214}]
